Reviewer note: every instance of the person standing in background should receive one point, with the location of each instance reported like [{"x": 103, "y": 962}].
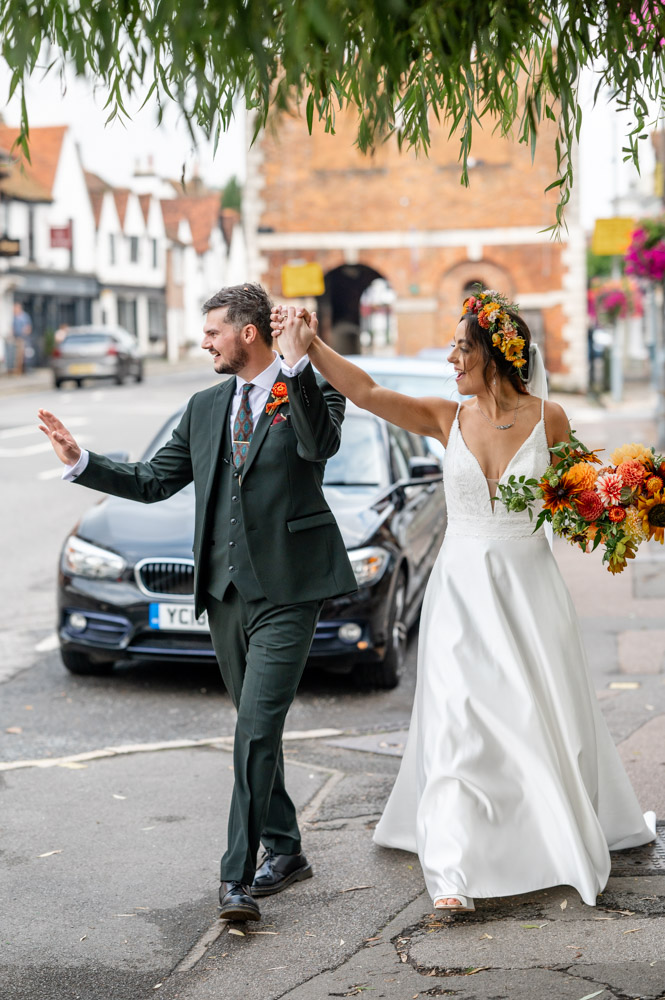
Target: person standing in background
[{"x": 21, "y": 331}]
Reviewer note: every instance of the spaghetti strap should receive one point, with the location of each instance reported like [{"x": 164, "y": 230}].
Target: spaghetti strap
[
  {"x": 542, "y": 408},
  {"x": 458, "y": 409}
]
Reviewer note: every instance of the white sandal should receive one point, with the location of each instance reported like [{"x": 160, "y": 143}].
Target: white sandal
[{"x": 464, "y": 904}]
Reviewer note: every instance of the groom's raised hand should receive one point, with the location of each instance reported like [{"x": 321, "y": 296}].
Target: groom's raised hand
[
  {"x": 296, "y": 329},
  {"x": 64, "y": 445}
]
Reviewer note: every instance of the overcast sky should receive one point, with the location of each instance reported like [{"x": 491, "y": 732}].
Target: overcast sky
[{"x": 115, "y": 150}]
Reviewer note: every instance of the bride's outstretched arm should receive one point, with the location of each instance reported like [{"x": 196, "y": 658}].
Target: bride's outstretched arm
[{"x": 297, "y": 334}]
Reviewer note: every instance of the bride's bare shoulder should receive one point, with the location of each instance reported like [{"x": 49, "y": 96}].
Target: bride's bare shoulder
[{"x": 556, "y": 422}]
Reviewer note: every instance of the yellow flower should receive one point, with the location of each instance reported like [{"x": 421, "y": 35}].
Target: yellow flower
[
  {"x": 652, "y": 511},
  {"x": 513, "y": 347},
  {"x": 638, "y": 451},
  {"x": 632, "y": 526},
  {"x": 496, "y": 339},
  {"x": 583, "y": 474}
]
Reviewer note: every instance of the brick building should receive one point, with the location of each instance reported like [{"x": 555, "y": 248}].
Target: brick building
[{"x": 405, "y": 218}]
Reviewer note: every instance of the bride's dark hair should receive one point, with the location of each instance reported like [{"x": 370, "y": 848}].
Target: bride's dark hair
[{"x": 492, "y": 355}]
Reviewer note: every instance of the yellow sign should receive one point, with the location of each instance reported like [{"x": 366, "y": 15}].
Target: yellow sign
[
  {"x": 302, "y": 279},
  {"x": 611, "y": 237}
]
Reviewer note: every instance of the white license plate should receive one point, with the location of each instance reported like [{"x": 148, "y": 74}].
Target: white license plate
[{"x": 177, "y": 618}]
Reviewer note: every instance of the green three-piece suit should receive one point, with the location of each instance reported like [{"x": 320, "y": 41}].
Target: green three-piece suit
[{"x": 268, "y": 552}]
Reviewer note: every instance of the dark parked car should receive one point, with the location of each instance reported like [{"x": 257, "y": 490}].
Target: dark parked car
[
  {"x": 126, "y": 571},
  {"x": 96, "y": 352}
]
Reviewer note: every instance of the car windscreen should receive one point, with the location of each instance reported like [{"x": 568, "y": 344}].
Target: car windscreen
[
  {"x": 84, "y": 339},
  {"x": 360, "y": 460}
]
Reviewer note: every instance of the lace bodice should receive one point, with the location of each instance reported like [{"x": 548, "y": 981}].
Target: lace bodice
[{"x": 468, "y": 493}]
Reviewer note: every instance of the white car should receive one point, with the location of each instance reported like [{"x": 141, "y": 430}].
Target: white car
[{"x": 414, "y": 376}]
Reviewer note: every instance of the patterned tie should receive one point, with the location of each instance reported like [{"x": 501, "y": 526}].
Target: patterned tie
[{"x": 242, "y": 427}]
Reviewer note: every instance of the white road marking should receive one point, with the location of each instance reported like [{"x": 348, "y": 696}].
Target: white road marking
[
  {"x": 12, "y": 432},
  {"x": 48, "y": 644},
  {"x": 30, "y": 449},
  {"x": 224, "y": 742}
]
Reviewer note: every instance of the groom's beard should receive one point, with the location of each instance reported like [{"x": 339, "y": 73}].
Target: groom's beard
[{"x": 235, "y": 363}]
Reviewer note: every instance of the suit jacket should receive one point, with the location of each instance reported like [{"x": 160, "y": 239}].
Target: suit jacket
[{"x": 295, "y": 546}]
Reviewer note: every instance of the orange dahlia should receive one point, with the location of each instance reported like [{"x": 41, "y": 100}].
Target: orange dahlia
[
  {"x": 652, "y": 510},
  {"x": 562, "y": 495},
  {"x": 584, "y": 474},
  {"x": 616, "y": 514},
  {"x": 631, "y": 472},
  {"x": 589, "y": 505}
]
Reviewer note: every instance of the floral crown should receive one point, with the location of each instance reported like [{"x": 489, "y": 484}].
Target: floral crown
[{"x": 491, "y": 308}]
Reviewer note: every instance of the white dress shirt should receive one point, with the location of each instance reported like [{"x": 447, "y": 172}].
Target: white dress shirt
[{"x": 258, "y": 397}]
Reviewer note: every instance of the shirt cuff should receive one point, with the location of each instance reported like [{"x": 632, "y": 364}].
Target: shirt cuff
[
  {"x": 71, "y": 472},
  {"x": 297, "y": 368}
]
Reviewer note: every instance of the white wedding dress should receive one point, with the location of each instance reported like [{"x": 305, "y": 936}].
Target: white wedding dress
[{"x": 510, "y": 780}]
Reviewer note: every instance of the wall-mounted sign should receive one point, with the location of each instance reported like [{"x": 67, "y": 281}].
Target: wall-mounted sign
[
  {"x": 9, "y": 247},
  {"x": 299, "y": 280},
  {"x": 61, "y": 237},
  {"x": 611, "y": 237}
]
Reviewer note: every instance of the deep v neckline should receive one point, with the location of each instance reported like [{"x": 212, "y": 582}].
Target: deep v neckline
[{"x": 505, "y": 471}]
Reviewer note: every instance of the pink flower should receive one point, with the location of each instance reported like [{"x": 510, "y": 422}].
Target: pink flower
[{"x": 608, "y": 488}]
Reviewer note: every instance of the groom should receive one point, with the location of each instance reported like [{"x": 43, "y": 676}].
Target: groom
[{"x": 267, "y": 552}]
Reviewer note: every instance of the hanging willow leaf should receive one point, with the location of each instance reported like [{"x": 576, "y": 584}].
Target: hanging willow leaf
[{"x": 404, "y": 66}]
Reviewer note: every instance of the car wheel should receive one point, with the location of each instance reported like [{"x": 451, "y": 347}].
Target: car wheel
[
  {"x": 79, "y": 663},
  {"x": 386, "y": 673},
  {"x": 57, "y": 383},
  {"x": 139, "y": 372},
  {"x": 79, "y": 383},
  {"x": 119, "y": 378}
]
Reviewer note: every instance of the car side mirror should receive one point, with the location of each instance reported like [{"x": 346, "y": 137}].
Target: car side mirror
[{"x": 421, "y": 467}]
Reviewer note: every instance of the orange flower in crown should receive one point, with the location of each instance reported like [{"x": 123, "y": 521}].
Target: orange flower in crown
[{"x": 491, "y": 309}]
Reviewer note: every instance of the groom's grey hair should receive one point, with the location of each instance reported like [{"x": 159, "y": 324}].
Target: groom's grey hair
[{"x": 244, "y": 304}]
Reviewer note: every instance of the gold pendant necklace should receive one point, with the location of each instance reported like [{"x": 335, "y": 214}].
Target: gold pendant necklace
[{"x": 499, "y": 427}]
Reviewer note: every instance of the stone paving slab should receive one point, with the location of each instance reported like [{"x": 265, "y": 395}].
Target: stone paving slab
[
  {"x": 643, "y": 755},
  {"x": 641, "y": 651}
]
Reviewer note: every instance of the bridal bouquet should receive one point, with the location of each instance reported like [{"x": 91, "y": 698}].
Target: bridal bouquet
[{"x": 618, "y": 505}]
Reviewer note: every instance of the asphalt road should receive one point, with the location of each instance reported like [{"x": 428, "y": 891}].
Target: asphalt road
[{"x": 143, "y": 701}]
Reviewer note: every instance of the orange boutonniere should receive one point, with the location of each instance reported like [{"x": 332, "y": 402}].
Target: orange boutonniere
[{"x": 279, "y": 394}]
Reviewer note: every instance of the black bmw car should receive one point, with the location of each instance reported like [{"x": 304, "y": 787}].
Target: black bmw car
[{"x": 126, "y": 570}]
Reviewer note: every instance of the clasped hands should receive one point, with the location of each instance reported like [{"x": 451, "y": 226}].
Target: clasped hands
[{"x": 296, "y": 330}]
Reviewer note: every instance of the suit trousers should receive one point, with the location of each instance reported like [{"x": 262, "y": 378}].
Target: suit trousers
[{"x": 261, "y": 649}]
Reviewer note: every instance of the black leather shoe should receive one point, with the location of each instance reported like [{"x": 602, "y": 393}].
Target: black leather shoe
[
  {"x": 236, "y": 902},
  {"x": 276, "y": 871}
]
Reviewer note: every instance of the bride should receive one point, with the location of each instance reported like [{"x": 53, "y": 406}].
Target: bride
[{"x": 510, "y": 780}]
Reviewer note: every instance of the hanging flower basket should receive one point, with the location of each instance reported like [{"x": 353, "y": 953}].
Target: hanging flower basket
[
  {"x": 645, "y": 257},
  {"x": 616, "y": 299}
]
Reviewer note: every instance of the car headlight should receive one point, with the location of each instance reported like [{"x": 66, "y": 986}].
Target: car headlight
[
  {"x": 368, "y": 564},
  {"x": 84, "y": 559}
]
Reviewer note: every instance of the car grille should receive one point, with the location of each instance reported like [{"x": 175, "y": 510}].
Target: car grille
[{"x": 166, "y": 577}]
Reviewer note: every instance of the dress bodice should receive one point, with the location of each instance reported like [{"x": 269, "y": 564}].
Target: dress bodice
[{"x": 469, "y": 493}]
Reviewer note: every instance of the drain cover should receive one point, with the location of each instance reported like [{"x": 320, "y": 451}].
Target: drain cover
[{"x": 646, "y": 860}]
